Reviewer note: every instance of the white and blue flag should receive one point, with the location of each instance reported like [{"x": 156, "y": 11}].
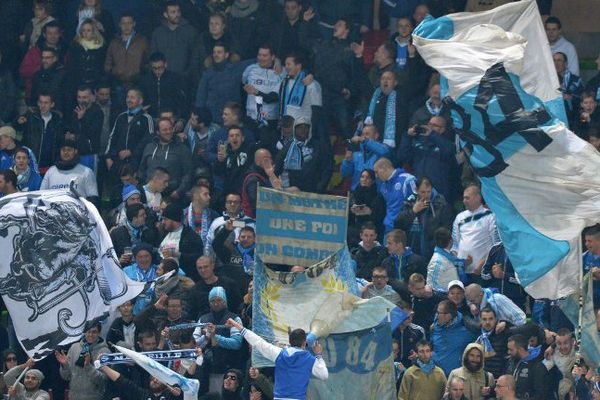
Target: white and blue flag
[{"x": 540, "y": 180}]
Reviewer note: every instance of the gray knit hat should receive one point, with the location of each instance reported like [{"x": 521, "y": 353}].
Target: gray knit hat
[{"x": 37, "y": 373}]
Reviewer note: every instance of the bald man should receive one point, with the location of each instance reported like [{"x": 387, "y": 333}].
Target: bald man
[
  {"x": 396, "y": 186},
  {"x": 505, "y": 388},
  {"x": 478, "y": 297},
  {"x": 261, "y": 173},
  {"x": 474, "y": 232}
]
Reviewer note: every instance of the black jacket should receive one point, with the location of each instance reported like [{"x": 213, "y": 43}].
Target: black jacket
[
  {"x": 44, "y": 142},
  {"x": 51, "y": 81},
  {"x": 198, "y": 296},
  {"x": 134, "y": 391},
  {"x": 9, "y": 95},
  {"x": 234, "y": 167},
  {"x": 420, "y": 228},
  {"x": 532, "y": 379},
  {"x": 367, "y": 260},
  {"x": 166, "y": 92},
  {"x": 316, "y": 170},
  {"x": 410, "y": 263},
  {"x": 88, "y": 130},
  {"x": 130, "y": 135},
  {"x": 121, "y": 238},
  {"x": 190, "y": 248}
]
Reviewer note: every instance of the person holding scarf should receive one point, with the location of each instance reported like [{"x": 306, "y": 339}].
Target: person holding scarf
[
  {"x": 236, "y": 252},
  {"x": 444, "y": 267},
  {"x": 423, "y": 381},
  {"x": 28, "y": 178},
  {"x": 198, "y": 215},
  {"x": 505, "y": 309},
  {"x": 77, "y": 366},
  {"x": 298, "y": 93},
  {"x": 142, "y": 270},
  {"x": 306, "y": 163},
  {"x": 449, "y": 336}
]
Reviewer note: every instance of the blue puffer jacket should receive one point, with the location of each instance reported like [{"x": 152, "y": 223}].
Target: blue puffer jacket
[{"x": 449, "y": 342}]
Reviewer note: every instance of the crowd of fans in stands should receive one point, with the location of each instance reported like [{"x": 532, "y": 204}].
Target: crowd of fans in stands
[{"x": 170, "y": 114}]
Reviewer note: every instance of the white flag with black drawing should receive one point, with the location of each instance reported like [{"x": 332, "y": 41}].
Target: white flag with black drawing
[{"x": 58, "y": 268}]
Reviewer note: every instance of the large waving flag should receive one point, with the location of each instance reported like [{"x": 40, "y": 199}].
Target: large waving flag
[
  {"x": 540, "y": 180},
  {"x": 58, "y": 268}
]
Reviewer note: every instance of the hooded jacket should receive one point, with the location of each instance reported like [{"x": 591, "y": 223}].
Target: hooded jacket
[
  {"x": 474, "y": 381},
  {"x": 175, "y": 157},
  {"x": 449, "y": 342},
  {"x": 316, "y": 165},
  {"x": 370, "y": 151}
]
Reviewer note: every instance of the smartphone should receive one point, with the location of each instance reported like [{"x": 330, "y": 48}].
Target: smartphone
[{"x": 238, "y": 224}]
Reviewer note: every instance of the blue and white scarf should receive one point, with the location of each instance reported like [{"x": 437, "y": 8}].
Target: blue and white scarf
[
  {"x": 134, "y": 231},
  {"x": 293, "y": 158},
  {"x": 459, "y": 263},
  {"x": 484, "y": 340},
  {"x": 433, "y": 109},
  {"x": 389, "y": 131},
  {"x": 247, "y": 257},
  {"x": 295, "y": 96},
  {"x": 204, "y": 224}
]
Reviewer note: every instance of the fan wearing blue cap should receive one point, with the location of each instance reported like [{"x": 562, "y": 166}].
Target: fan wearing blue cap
[{"x": 225, "y": 342}]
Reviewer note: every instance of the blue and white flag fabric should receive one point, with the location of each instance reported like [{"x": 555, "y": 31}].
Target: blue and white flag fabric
[
  {"x": 284, "y": 301},
  {"x": 589, "y": 338},
  {"x": 540, "y": 179},
  {"x": 58, "y": 268},
  {"x": 190, "y": 387},
  {"x": 360, "y": 365}
]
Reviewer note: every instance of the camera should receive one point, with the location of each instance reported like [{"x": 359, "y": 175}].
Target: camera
[{"x": 420, "y": 129}]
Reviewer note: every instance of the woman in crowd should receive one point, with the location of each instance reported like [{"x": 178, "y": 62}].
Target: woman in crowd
[{"x": 366, "y": 204}]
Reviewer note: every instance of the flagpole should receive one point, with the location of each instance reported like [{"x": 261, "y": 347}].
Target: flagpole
[{"x": 579, "y": 329}]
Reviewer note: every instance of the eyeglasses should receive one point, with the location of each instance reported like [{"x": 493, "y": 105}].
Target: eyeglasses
[
  {"x": 232, "y": 377},
  {"x": 11, "y": 358}
]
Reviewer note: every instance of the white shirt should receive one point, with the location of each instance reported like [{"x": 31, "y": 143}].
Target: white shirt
[
  {"x": 266, "y": 81},
  {"x": 85, "y": 180},
  {"x": 562, "y": 45},
  {"x": 210, "y": 236},
  {"x": 474, "y": 238},
  {"x": 312, "y": 97}
]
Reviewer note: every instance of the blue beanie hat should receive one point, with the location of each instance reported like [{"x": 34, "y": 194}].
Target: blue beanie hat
[
  {"x": 128, "y": 191},
  {"x": 217, "y": 291}
]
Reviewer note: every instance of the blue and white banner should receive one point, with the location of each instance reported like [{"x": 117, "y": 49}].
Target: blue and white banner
[
  {"x": 58, "y": 268},
  {"x": 299, "y": 228},
  {"x": 540, "y": 180},
  {"x": 360, "y": 365}
]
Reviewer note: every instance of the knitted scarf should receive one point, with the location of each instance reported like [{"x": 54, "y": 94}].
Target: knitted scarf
[
  {"x": 204, "y": 224},
  {"x": 247, "y": 257},
  {"x": 22, "y": 177},
  {"x": 433, "y": 109},
  {"x": 426, "y": 367},
  {"x": 239, "y": 10},
  {"x": 134, "y": 231},
  {"x": 293, "y": 158},
  {"x": 459, "y": 263},
  {"x": 295, "y": 95},
  {"x": 484, "y": 340},
  {"x": 389, "y": 131}
]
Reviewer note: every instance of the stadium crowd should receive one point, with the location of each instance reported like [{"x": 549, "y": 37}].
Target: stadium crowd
[{"x": 170, "y": 114}]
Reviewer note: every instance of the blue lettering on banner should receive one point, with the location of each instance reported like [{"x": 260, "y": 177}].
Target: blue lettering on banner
[
  {"x": 294, "y": 225},
  {"x": 361, "y": 352}
]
